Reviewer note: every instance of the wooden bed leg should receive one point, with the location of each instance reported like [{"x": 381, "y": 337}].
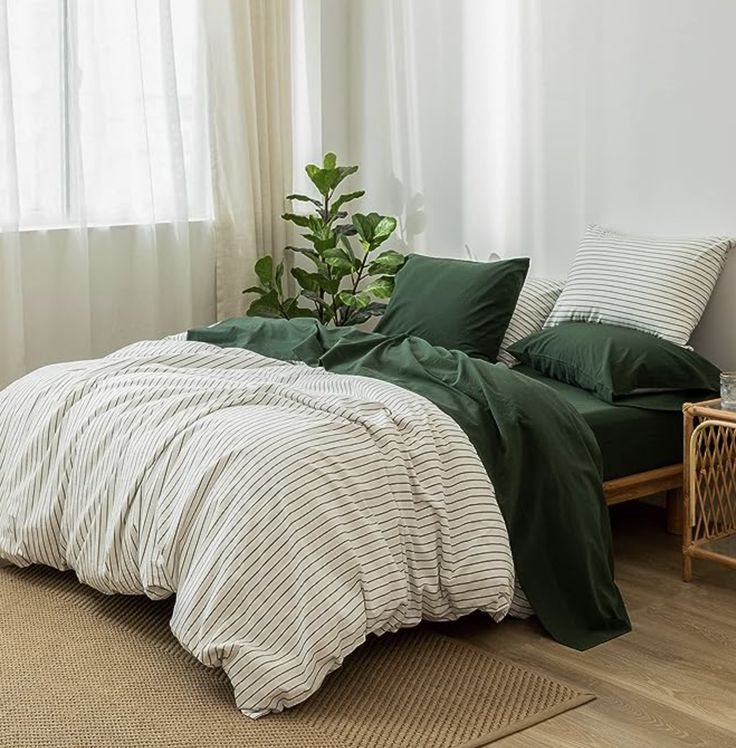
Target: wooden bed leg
[{"x": 674, "y": 511}]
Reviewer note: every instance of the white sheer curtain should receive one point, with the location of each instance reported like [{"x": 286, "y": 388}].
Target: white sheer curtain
[
  {"x": 466, "y": 117},
  {"x": 104, "y": 177}
]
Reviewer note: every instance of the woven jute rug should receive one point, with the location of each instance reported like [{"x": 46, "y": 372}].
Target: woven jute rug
[{"x": 81, "y": 669}]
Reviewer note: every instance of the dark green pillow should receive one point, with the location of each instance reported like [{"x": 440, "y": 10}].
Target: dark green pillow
[
  {"x": 614, "y": 361},
  {"x": 455, "y": 304}
]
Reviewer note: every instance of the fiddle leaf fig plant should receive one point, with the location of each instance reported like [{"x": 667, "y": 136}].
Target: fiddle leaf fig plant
[{"x": 344, "y": 284}]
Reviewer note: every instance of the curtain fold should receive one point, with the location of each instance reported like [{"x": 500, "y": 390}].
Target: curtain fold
[
  {"x": 249, "y": 72},
  {"x": 467, "y": 119},
  {"x": 12, "y": 343},
  {"x": 105, "y": 208}
]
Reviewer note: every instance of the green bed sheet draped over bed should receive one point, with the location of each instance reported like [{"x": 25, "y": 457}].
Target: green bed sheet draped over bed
[{"x": 540, "y": 455}]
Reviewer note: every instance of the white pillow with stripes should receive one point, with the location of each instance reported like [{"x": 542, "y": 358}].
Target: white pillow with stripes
[
  {"x": 659, "y": 285},
  {"x": 537, "y": 297}
]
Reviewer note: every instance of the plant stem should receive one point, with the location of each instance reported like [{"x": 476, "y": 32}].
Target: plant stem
[
  {"x": 356, "y": 282},
  {"x": 320, "y": 308},
  {"x": 361, "y": 269},
  {"x": 335, "y": 310}
]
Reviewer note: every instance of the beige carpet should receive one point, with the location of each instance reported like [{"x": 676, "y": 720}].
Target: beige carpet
[{"x": 81, "y": 669}]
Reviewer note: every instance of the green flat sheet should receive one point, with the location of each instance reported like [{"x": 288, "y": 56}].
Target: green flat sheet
[
  {"x": 631, "y": 439},
  {"x": 540, "y": 454}
]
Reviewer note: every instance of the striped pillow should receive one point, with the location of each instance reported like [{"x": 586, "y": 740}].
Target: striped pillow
[
  {"x": 537, "y": 297},
  {"x": 657, "y": 285}
]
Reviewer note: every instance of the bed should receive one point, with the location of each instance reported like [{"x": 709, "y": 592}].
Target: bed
[
  {"x": 653, "y": 284},
  {"x": 641, "y": 447},
  {"x": 300, "y": 488}
]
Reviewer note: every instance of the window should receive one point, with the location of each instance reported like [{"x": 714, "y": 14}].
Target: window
[{"x": 107, "y": 111}]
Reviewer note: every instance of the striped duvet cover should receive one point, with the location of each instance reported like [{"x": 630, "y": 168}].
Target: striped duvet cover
[{"x": 292, "y": 511}]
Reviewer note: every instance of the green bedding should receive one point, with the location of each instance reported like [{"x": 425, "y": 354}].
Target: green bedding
[
  {"x": 539, "y": 453},
  {"x": 642, "y": 435}
]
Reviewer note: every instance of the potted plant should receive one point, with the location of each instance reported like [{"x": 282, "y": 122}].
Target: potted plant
[{"x": 344, "y": 285}]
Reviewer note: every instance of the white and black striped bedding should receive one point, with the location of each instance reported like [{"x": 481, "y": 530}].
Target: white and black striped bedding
[
  {"x": 654, "y": 284},
  {"x": 536, "y": 301},
  {"x": 292, "y": 511}
]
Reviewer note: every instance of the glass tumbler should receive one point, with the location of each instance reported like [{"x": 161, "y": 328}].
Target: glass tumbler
[{"x": 728, "y": 390}]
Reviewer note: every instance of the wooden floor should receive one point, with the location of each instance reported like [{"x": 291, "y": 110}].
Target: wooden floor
[{"x": 670, "y": 682}]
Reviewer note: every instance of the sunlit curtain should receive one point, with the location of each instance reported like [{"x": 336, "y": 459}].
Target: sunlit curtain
[
  {"x": 465, "y": 118},
  {"x": 249, "y": 67},
  {"x": 105, "y": 191}
]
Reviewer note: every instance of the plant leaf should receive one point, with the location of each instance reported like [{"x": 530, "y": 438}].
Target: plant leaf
[
  {"x": 348, "y": 249},
  {"x": 384, "y": 228},
  {"x": 302, "y": 311},
  {"x": 309, "y": 252},
  {"x": 293, "y": 309},
  {"x": 358, "y": 300},
  {"x": 317, "y": 225},
  {"x": 308, "y": 281},
  {"x": 264, "y": 270},
  {"x": 373, "y": 229},
  {"x": 329, "y": 177},
  {"x": 324, "y": 245},
  {"x": 340, "y": 266},
  {"x": 320, "y": 302},
  {"x": 312, "y": 296},
  {"x": 387, "y": 263},
  {"x": 266, "y": 306},
  {"x": 340, "y": 173},
  {"x": 305, "y": 199},
  {"x": 346, "y": 198},
  {"x": 358, "y": 316},
  {"x": 376, "y": 308},
  {"x": 320, "y": 178},
  {"x": 382, "y": 287},
  {"x": 255, "y": 289},
  {"x": 339, "y": 261},
  {"x": 297, "y": 218},
  {"x": 345, "y": 229},
  {"x": 328, "y": 285},
  {"x": 329, "y": 161},
  {"x": 363, "y": 226}
]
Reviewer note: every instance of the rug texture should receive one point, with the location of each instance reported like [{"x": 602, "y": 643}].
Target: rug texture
[{"x": 81, "y": 669}]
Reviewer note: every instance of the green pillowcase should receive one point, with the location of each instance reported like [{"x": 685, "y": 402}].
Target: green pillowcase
[
  {"x": 614, "y": 361},
  {"x": 455, "y": 304}
]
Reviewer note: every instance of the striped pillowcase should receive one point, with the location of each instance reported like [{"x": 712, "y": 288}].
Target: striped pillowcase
[
  {"x": 537, "y": 297},
  {"x": 657, "y": 285}
]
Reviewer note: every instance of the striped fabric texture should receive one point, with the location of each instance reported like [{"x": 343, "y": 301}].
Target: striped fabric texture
[
  {"x": 292, "y": 511},
  {"x": 536, "y": 300},
  {"x": 657, "y": 285}
]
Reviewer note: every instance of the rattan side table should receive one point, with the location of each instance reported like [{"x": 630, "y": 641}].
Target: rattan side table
[{"x": 709, "y": 482}]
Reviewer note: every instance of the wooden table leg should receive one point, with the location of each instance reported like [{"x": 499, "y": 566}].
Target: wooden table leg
[{"x": 687, "y": 568}]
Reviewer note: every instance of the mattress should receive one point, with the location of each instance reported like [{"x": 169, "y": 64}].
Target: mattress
[{"x": 631, "y": 439}]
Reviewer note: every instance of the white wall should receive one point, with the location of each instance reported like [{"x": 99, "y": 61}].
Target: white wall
[
  {"x": 661, "y": 146},
  {"x": 661, "y": 132},
  {"x": 507, "y": 125}
]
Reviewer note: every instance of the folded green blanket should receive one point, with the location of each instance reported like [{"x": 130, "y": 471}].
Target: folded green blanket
[{"x": 540, "y": 454}]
